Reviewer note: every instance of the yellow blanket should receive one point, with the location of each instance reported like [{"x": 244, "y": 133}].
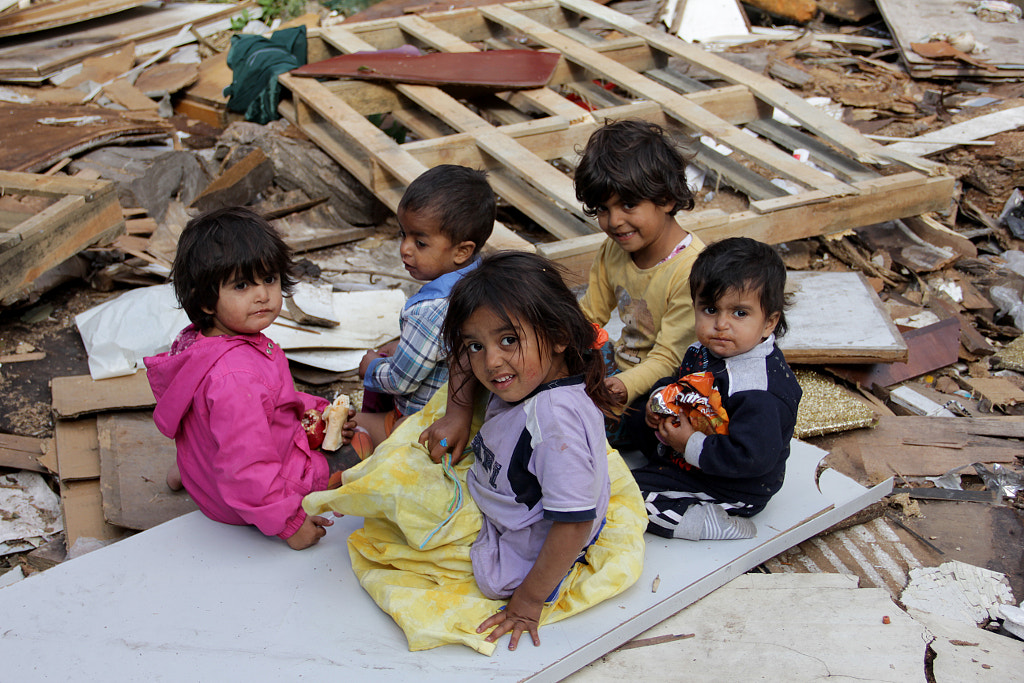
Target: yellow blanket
[{"x": 412, "y": 554}]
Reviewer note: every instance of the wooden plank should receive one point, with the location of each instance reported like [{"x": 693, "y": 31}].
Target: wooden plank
[
  {"x": 858, "y": 329},
  {"x": 12, "y": 182},
  {"x": 53, "y": 15},
  {"x": 88, "y": 216},
  {"x": 128, "y": 96},
  {"x": 676, "y": 105},
  {"x": 882, "y": 199},
  {"x": 239, "y": 185},
  {"x": 966, "y": 131},
  {"x": 506, "y": 150},
  {"x": 21, "y": 452},
  {"x": 134, "y": 459},
  {"x": 80, "y": 394}
]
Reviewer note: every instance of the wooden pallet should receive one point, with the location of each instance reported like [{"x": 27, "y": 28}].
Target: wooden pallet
[
  {"x": 517, "y": 136},
  {"x": 83, "y": 213}
]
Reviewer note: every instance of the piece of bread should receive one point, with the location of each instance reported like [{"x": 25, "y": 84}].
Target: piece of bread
[{"x": 336, "y": 416}]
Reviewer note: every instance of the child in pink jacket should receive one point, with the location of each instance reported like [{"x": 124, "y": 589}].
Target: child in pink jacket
[{"x": 224, "y": 391}]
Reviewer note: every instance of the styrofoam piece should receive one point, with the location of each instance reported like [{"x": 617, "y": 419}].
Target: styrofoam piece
[
  {"x": 959, "y": 591},
  {"x": 192, "y": 599}
]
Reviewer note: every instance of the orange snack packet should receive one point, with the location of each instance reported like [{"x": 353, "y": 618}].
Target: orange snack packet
[{"x": 695, "y": 398}]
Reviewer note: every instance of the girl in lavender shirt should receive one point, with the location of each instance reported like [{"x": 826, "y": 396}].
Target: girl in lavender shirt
[{"x": 540, "y": 474}]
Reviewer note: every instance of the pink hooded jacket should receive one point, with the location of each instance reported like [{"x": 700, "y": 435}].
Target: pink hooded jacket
[{"x": 231, "y": 407}]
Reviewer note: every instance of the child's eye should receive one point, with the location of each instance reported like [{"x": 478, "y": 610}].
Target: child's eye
[
  {"x": 269, "y": 279},
  {"x": 708, "y": 310},
  {"x": 509, "y": 340},
  {"x": 474, "y": 347},
  {"x": 241, "y": 285},
  {"x": 628, "y": 206},
  {"x": 421, "y": 244},
  {"x": 741, "y": 314},
  {"x": 600, "y": 210}
]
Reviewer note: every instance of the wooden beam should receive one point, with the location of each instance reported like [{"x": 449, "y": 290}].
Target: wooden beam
[
  {"x": 907, "y": 194},
  {"x": 674, "y": 104},
  {"x": 364, "y": 150}
]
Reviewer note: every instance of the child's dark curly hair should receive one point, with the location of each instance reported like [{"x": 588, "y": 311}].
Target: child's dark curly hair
[
  {"x": 635, "y": 160},
  {"x": 742, "y": 264},
  {"x": 220, "y": 245},
  {"x": 527, "y": 291}
]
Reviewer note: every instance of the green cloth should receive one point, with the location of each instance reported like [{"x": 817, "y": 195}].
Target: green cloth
[{"x": 255, "y": 63}]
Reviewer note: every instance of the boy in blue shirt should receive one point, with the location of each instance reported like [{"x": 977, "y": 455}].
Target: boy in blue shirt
[{"x": 446, "y": 215}]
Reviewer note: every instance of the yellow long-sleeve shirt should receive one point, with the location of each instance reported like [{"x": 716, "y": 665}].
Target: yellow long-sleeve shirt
[{"x": 655, "y": 307}]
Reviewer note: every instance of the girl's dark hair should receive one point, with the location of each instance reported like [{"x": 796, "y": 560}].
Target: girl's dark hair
[
  {"x": 220, "y": 245},
  {"x": 742, "y": 264},
  {"x": 635, "y": 160},
  {"x": 530, "y": 289}
]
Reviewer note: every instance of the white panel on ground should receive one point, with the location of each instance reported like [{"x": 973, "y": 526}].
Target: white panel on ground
[{"x": 192, "y": 599}]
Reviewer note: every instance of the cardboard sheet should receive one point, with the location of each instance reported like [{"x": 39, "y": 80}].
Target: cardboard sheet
[{"x": 193, "y": 599}]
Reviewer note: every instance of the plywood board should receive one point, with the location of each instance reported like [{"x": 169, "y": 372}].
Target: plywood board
[
  {"x": 922, "y": 446},
  {"x": 81, "y": 394},
  {"x": 38, "y": 135},
  {"x": 910, "y": 21},
  {"x": 286, "y": 614},
  {"x": 134, "y": 459},
  {"x": 838, "y": 318}
]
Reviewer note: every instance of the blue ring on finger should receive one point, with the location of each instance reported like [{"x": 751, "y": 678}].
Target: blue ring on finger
[{"x": 443, "y": 443}]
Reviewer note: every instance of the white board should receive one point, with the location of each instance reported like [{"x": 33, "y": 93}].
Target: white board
[
  {"x": 193, "y": 600},
  {"x": 838, "y": 318}
]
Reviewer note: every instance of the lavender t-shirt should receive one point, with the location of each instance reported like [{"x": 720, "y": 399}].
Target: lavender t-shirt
[{"x": 538, "y": 461}]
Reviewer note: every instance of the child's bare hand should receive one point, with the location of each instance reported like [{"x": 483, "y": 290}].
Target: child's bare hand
[
  {"x": 388, "y": 349},
  {"x": 651, "y": 418},
  {"x": 675, "y": 432},
  {"x": 310, "y": 533},
  {"x": 349, "y": 428},
  {"x": 449, "y": 434},
  {"x": 617, "y": 389},
  {"x": 519, "y": 616},
  {"x": 364, "y": 364}
]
